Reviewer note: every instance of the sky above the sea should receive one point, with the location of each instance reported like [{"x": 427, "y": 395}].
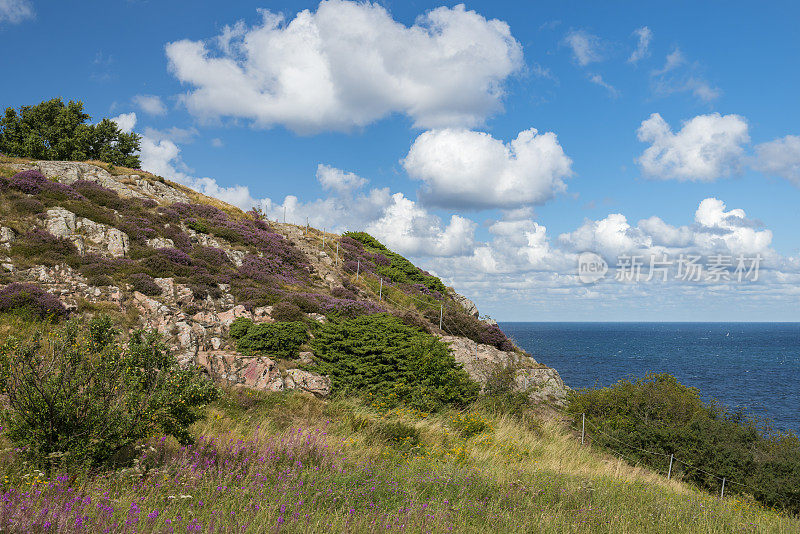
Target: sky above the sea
[{"x": 551, "y": 160}]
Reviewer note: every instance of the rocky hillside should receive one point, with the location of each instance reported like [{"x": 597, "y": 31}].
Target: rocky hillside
[{"x": 158, "y": 255}]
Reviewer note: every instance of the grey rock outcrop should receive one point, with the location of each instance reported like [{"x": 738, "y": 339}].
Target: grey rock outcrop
[
  {"x": 7, "y": 236},
  {"x": 85, "y": 234},
  {"x": 307, "y": 381},
  {"x": 465, "y": 303},
  {"x": 126, "y": 185},
  {"x": 541, "y": 383},
  {"x": 261, "y": 373}
]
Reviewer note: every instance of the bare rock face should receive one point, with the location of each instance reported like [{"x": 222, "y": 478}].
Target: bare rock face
[
  {"x": 7, "y": 236},
  {"x": 158, "y": 191},
  {"x": 160, "y": 242},
  {"x": 465, "y": 303},
  {"x": 479, "y": 361},
  {"x": 307, "y": 381},
  {"x": 85, "y": 234},
  {"x": 261, "y": 373}
]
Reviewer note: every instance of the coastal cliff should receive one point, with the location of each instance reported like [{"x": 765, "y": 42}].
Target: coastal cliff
[{"x": 164, "y": 257}]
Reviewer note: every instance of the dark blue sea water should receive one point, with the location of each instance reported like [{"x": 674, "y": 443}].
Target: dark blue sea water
[{"x": 752, "y": 365}]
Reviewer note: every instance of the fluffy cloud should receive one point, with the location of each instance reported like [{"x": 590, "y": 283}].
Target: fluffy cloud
[
  {"x": 399, "y": 222},
  {"x": 162, "y": 157},
  {"x": 407, "y": 227},
  {"x": 15, "y": 11},
  {"x": 349, "y": 64},
  {"x": 780, "y": 157},
  {"x": 586, "y": 48},
  {"x": 644, "y": 35},
  {"x": 125, "y": 121},
  {"x": 473, "y": 170},
  {"x": 150, "y": 104},
  {"x": 707, "y": 147},
  {"x": 333, "y": 179},
  {"x": 715, "y": 231},
  {"x": 729, "y": 231}
]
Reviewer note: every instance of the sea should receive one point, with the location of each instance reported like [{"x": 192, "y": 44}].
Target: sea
[{"x": 755, "y": 366}]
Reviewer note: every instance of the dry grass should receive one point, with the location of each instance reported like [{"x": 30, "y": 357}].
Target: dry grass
[{"x": 512, "y": 477}]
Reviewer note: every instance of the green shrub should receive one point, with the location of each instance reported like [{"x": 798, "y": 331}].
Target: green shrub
[
  {"x": 277, "y": 340},
  {"x": 199, "y": 226},
  {"x": 240, "y": 326},
  {"x": 381, "y": 356},
  {"x": 287, "y": 312},
  {"x": 499, "y": 394},
  {"x": 400, "y": 270},
  {"x": 76, "y": 395},
  {"x": 658, "y": 414}
]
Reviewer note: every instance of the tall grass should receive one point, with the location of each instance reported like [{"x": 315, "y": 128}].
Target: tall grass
[{"x": 292, "y": 463}]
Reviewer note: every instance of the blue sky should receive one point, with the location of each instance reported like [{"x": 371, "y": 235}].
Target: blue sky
[{"x": 412, "y": 120}]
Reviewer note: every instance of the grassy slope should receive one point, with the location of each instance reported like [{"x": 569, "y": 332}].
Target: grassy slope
[{"x": 293, "y": 463}]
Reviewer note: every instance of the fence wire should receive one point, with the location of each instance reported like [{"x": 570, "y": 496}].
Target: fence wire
[{"x": 674, "y": 458}]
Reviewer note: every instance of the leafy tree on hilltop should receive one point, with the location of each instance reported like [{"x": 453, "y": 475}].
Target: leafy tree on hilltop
[{"x": 53, "y": 130}]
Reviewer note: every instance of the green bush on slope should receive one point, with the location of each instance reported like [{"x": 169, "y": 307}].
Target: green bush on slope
[
  {"x": 658, "y": 414},
  {"x": 400, "y": 270},
  {"x": 277, "y": 340},
  {"x": 381, "y": 356},
  {"x": 76, "y": 395}
]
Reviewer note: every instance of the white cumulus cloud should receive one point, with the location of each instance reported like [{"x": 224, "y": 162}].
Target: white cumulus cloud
[
  {"x": 473, "y": 170},
  {"x": 780, "y": 157},
  {"x": 162, "y": 157},
  {"x": 706, "y": 147},
  {"x": 715, "y": 230},
  {"x": 150, "y": 104},
  {"x": 126, "y": 121},
  {"x": 333, "y": 179},
  {"x": 349, "y": 64}
]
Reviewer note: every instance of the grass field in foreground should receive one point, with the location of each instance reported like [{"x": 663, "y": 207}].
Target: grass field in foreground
[{"x": 292, "y": 463}]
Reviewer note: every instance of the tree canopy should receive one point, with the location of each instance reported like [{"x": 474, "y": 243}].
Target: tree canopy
[{"x": 53, "y": 130}]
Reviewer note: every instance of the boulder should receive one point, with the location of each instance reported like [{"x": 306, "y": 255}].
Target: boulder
[
  {"x": 87, "y": 235},
  {"x": 479, "y": 361},
  {"x": 307, "y": 381},
  {"x": 227, "y": 317},
  {"x": 7, "y": 236},
  {"x": 260, "y": 372},
  {"x": 160, "y": 242}
]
